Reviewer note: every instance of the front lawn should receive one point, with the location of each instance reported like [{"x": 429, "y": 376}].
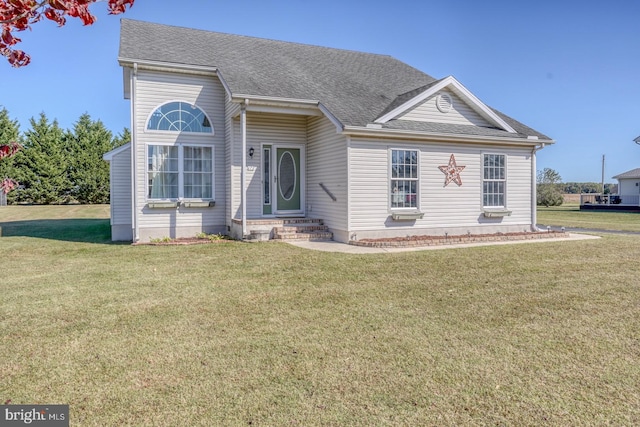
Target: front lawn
[
  {"x": 572, "y": 216},
  {"x": 232, "y": 333}
]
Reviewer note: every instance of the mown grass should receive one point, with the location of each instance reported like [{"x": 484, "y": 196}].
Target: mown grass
[
  {"x": 571, "y": 216},
  {"x": 269, "y": 334}
]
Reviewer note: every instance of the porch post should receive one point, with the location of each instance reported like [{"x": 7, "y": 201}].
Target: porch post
[{"x": 243, "y": 178}]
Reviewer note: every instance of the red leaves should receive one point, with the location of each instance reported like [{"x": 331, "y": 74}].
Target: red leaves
[
  {"x": 8, "y": 150},
  {"x": 7, "y": 185},
  {"x": 19, "y": 15}
]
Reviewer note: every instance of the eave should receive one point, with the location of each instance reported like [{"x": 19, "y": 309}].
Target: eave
[{"x": 443, "y": 137}]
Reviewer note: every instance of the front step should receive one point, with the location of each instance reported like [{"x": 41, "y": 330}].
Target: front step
[{"x": 302, "y": 229}]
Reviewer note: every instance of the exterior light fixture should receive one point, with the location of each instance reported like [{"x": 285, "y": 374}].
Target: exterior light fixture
[{"x": 251, "y": 151}]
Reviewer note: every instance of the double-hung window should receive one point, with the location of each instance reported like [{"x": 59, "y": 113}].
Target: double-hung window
[
  {"x": 177, "y": 172},
  {"x": 404, "y": 179},
  {"x": 494, "y": 180},
  {"x": 180, "y": 171}
]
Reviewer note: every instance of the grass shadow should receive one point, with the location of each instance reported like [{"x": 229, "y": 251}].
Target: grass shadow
[{"x": 70, "y": 230}]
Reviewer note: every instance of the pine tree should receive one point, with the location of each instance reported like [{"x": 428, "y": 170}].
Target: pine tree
[
  {"x": 122, "y": 138},
  {"x": 88, "y": 172},
  {"x": 9, "y": 133},
  {"x": 42, "y": 164}
]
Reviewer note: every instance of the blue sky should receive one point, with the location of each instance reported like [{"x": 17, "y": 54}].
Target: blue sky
[{"x": 570, "y": 69}]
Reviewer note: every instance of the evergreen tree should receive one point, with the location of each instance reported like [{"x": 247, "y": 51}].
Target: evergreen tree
[
  {"x": 88, "y": 172},
  {"x": 41, "y": 166},
  {"x": 9, "y": 134},
  {"x": 122, "y": 138}
]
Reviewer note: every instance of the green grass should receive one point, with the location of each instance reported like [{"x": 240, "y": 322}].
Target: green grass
[
  {"x": 572, "y": 216},
  {"x": 269, "y": 334}
]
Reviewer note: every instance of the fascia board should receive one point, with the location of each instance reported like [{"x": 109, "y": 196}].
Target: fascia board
[
  {"x": 441, "y": 137},
  {"x": 108, "y": 156},
  {"x": 168, "y": 66},
  {"x": 460, "y": 90}
]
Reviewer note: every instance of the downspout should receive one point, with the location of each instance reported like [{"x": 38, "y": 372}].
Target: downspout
[
  {"x": 134, "y": 201},
  {"x": 534, "y": 194},
  {"x": 243, "y": 172}
]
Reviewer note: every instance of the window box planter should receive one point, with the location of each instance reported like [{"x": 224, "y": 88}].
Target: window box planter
[
  {"x": 406, "y": 216},
  {"x": 199, "y": 204},
  {"x": 162, "y": 205},
  {"x": 498, "y": 213}
]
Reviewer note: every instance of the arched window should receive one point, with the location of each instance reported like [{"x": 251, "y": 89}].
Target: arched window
[{"x": 178, "y": 116}]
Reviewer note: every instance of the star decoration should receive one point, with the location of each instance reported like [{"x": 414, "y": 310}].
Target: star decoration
[{"x": 452, "y": 172}]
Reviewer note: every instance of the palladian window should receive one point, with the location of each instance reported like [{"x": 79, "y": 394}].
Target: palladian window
[{"x": 178, "y": 116}]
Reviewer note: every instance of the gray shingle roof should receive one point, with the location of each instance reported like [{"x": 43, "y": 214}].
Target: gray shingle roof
[
  {"x": 632, "y": 174},
  {"x": 355, "y": 87}
]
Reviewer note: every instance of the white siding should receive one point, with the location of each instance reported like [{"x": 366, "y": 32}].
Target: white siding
[
  {"x": 262, "y": 128},
  {"x": 152, "y": 90},
  {"x": 120, "y": 191},
  {"x": 452, "y": 209},
  {"x": 460, "y": 113},
  {"x": 628, "y": 187},
  {"x": 327, "y": 163}
]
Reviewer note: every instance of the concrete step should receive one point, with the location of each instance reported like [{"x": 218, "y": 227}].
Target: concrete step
[{"x": 298, "y": 236}]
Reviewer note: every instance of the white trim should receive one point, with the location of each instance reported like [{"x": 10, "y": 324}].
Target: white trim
[
  {"x": 459, "y": 89},
  {"x": 108, "y": 156},
  {"x": 333, "y": 119},
  {"x": 146, "y": 123},
  {"x": 390, "y": 178},
  {"x": 167, "y": 66},
  {"x": 134, "y": 157},
  {"x": 421, "y": 137},
  {"x": 303, "y": 180},
  {"x": 505, "y": 205},
  {"x": 180, "y": 171}
]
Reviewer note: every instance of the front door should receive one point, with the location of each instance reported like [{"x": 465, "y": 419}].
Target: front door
[{"x": 288, "y": 183}]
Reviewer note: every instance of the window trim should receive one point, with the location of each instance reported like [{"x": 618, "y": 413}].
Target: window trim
[
  {"x": 181, "y": 172},
  {"x": 390, "y": 178},
  {"x": 146, "y": 123},
  {"x": 504, "y": 206}
]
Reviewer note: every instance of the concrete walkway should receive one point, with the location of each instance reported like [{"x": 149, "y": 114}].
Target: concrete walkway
[{"x": 331, "y": 246}]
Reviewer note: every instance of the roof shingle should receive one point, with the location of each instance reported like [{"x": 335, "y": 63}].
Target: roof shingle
[{"x": 354, "y": 86}]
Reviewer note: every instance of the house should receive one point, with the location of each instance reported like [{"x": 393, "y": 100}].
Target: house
[
  {"x": 629, "y": 187},
  {"x": 238, "y": 135}
]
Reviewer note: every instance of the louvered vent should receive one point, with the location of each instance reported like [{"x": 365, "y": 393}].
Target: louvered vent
[{"x": 444, "y": 102}]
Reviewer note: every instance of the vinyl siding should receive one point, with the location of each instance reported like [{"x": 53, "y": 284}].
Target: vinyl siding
[
  {"x": 262, "y": 128},
  {"x": 120, "y": 183},
  {"x": 453, "y": 209},
  {"x": 327, "y": 164},
  {"x": 460, "y": 113},
  {"x": 152, "y": 90}
]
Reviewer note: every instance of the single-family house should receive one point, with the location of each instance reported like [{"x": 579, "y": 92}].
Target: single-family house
[
  {"x": 629, "y": 187},
  {"x": 239, "y": 135}
]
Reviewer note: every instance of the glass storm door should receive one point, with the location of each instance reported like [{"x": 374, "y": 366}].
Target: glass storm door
[{"x": 288, "y": 184}]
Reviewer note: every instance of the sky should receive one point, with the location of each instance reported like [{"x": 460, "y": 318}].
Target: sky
[{"x": 569, "y": 69}]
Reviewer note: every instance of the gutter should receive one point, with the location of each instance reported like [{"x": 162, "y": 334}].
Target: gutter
[
  {"x": 134, "y": 199},
  {"x": 438, "y": 137},
  {"x": 534, "y": 193}
]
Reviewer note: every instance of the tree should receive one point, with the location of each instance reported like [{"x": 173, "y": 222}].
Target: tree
[
  {"x": 549, "y": 191},
  {"x": 88, "y": 172},
  {"x": 9, "y": 135},
  {"x": 122, "y": 138},
  {"x": 19, "y": 15},
  {"x": 41, "y": 167}
]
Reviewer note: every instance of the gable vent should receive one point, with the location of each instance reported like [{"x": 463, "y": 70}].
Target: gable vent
[{"x": 444, "y": 102}]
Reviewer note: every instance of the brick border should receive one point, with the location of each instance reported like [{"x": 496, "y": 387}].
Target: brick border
[{"x": 411, "y": 241}]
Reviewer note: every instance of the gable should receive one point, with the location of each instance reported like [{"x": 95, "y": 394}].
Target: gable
[
  {"x": 445, "y": 107},
  {"x": 444, "y": 96}
]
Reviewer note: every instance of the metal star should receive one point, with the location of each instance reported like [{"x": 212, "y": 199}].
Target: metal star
[{"x": 452, "y": 172}]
